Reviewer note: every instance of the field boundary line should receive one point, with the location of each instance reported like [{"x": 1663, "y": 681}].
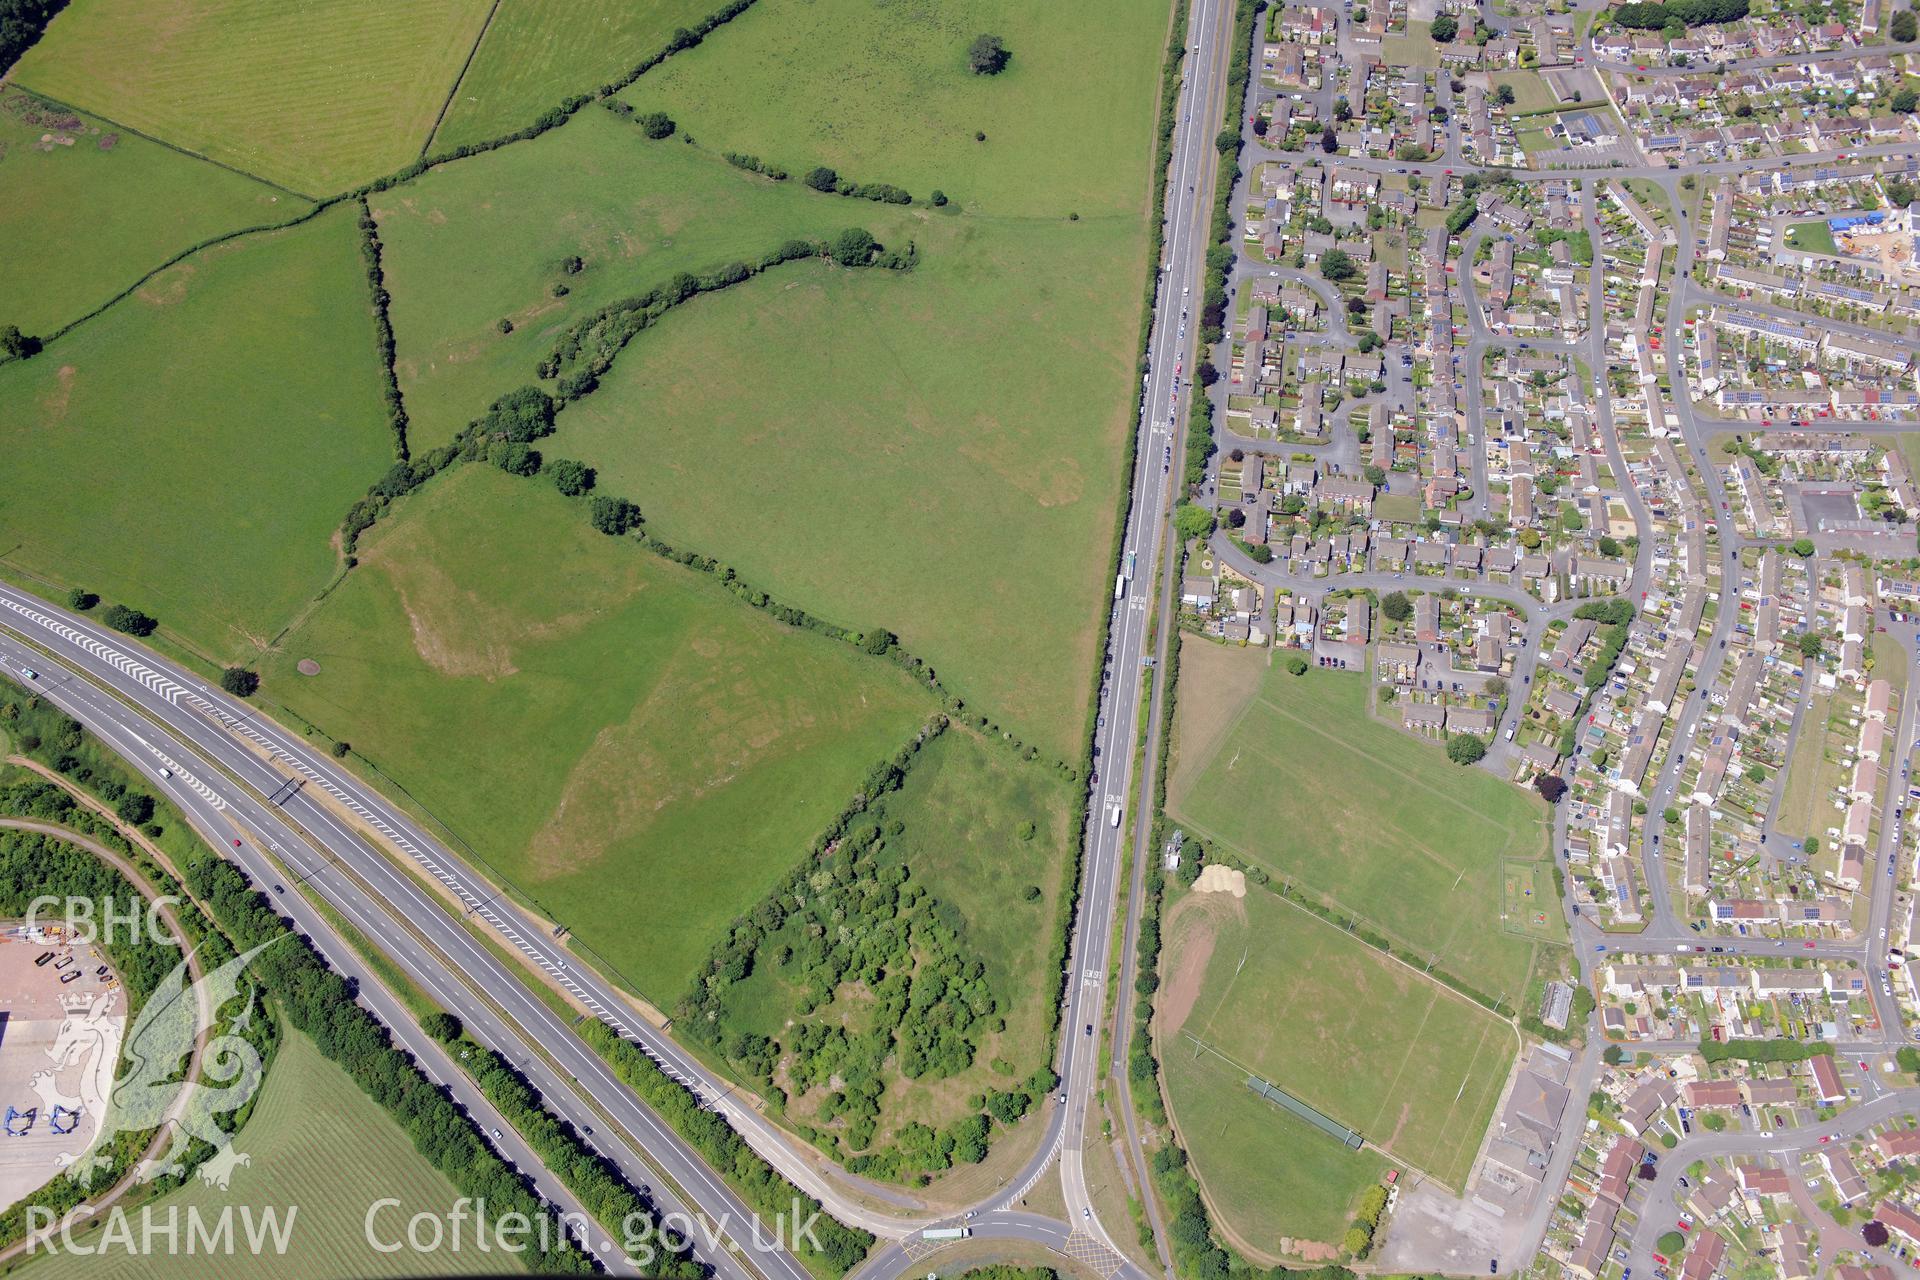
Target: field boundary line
[
  {"x": 1393, "y": 1085},
  {"x": 1368, "y": 1144},
  {"x": 460, "y": 78},
  {"x": 1395, "y": 769},
  {"x": 171, "y": 146},
  {"x": 1333, "y": 904},
  {"x": 1417, "y": 845},
  {"x": 1409, "y": 966}
]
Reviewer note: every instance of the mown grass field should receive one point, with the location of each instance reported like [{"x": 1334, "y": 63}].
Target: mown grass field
[
  {"x": 963, "y": 807},
  {"x": 629, "y": 746},
  {"x": 191, "y": 450},
  {"x": 1387, "y": 1051},
  {"x": 1307, "y": 785},
  {"x": 634, "y": 211},
  {"x": 315, "y": 96},
  {"x": 882, "y": 93},
  {"x": 320, "y": 1144},
  {"x": 536, "y": 53},
  {"x": 1269, "y": 1175},
  {"x": 936, "y": 453},
  {"x": 82, "y": 222}
]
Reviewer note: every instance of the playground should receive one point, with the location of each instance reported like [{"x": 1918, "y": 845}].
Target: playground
[{"x": 63, "y": 1015}]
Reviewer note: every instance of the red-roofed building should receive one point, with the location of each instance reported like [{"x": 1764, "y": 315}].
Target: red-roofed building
[
  {"x": 1899, "y": 1219},
  {"x": 1714, "y": 1093},
  {"x": 1616, "y": 1170},
  {"x": 1898, "y": 1144},
  {"x": 1704, "y": 1256},
  {"x": 1826, "y": 1079},
  {"x": 1761, "y": 1180}
]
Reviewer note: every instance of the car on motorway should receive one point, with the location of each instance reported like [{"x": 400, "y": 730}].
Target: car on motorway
[{"x": 29, "y": 673}]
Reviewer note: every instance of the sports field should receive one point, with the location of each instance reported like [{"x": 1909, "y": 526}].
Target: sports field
[
  {"x": 1302, "y": 782},
  {"x": 935, "y": 453},
  {"x": 964, "y": 809},
  {"x": 315, "y": 96},
  {"x": 623, "y": 741},
  {"x": 323, "y": 1153},
  {"x": 70, "y": 236},
  {"x": 882, "y": 93},
  {"x": 1380, "y": 1047},
  {"x": 1270, "y": 1176},
  {"x": 192, "y": 449},
  {"x": 633, "y": 211},
  {"x": 536, "y": 53}
]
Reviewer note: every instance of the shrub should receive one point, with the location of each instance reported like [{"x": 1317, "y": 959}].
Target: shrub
[
  {"x": 656, "y": 125},
  {"x": 854, "y": 247},
  {"x": 614, "y": 516},
  {"x": 1296, "y": 664},
  {"x": 442, "y": 1026},
  {"x": 239, "y": 682},
  {"x": 570, "y": 477},
  {"x": 822, "y": 178},
  {"x": 80, "y": 601},
  {"x": 340, "y": 750},
  {"x": 131, "y": 621}
]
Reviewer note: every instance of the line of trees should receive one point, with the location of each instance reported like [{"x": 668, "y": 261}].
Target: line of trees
[
  {"x": 370, "y": 254},
  {"x": 603, "y": 1190},
  {"x": 588, "y": 347},
  {"x": 21, "y": 25},
  {"x": 1657, "y": 15}
]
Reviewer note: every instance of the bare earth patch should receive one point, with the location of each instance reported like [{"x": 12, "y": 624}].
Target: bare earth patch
[{"x": 1191, "y": 929}]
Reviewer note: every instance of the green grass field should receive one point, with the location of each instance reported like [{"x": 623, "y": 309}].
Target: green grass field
[
  {"x": 882, "y": 93},
  {"x": 963, "y": 806},
  {"x": 82, "y": 222},
  {"x": 1307, "y": 785},
  {"x": 192, "y": 450},
  {"x": 1269, "y": 1175},
  {"x": 1530, "y": 92},
  {"x": 1813, "y": 237},
  {"x": 634, "y": 211},
  {"x": 324, "y": 1151},
  {"x": 1414, "y": 47},
  {"x": 538, "y": 52},
  {"x": 624, "y": 742},
  {"x": 935, "y": 453},
  {"x": 315, "y": 96},
  {"x": 1387, "y": 1051}
]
